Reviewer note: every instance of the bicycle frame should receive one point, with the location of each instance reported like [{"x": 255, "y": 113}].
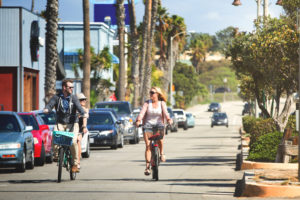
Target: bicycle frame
[{"x": 155, "y": 158}]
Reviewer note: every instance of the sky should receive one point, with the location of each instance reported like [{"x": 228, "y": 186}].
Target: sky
[{"x": 205, "y": 16}]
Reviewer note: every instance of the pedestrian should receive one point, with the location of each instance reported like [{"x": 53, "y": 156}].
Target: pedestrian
[
  {"x": 82, "y": 124},
  {"x": 67, "y": 105},
  {"x": 154, "y": 113}
]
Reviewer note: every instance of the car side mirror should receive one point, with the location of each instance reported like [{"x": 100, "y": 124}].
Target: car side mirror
[{"x": 28, "y": 128}]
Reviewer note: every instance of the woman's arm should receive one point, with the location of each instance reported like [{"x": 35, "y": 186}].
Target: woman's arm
[{"x": 143, "y": 112}]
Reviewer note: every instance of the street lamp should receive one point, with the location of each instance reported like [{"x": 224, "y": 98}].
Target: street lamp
[{"x": 171, "y": 63}]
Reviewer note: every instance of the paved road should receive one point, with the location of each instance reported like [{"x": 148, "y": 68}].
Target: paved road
[{"x": 200, "y": 165}]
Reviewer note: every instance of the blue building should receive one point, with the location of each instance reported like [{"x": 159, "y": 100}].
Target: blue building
[
  {"x": 70, "y": 39},
  {"x": 22, "y": 59}
]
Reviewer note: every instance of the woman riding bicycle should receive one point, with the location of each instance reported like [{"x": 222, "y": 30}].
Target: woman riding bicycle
[{"x": 154, "y": 114}]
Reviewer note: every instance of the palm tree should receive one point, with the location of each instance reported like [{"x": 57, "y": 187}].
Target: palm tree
[
  {"x": 87, "y": 57},
  {"x": 32, "y": 5},
  {"x": 135, "y": 52},
  {"x": 200, "y": 45},
  {"x": 145, "y": 38},
  {"x": 148, "y": 66},
  {"x": 51, "y": 49},
  {"x": 120, "y": 15}
]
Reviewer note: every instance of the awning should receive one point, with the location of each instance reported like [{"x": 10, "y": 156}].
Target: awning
[{"x": 115, "y": 59}]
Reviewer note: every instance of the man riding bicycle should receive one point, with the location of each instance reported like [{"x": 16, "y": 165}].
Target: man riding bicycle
[
  {"x": 153, "y": 114},
  {"x": 66, "y": 106}
]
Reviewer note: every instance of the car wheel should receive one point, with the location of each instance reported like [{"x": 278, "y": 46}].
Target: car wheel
[
  {"x": 88, "y": 152},
  {"x": 176, "y": 128},
  {"x": 22, "y": 166},
  {"x": 30, "y": 164},
  {"x": 49, "y": 159},
  {"x": 121, "y": 145},
  {"x": 227, "y": 125},
  {"x": 41, "y": 160},
  {"x": 212, "y": 126},
  {"x": 185, "y": 127}
]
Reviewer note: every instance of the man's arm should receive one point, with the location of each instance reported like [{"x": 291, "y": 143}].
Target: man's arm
[{"x": 51, "y": 104}]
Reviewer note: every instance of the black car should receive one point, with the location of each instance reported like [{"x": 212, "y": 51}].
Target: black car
[
  {"x": 104, "y": 129},
  {"x": 214, "y": 107},
  {"x": 124, "y": 113},
  {"x": 246, "y": 109},
  {"x": 219, "y": 119},
  {"x": 174, "y": 126}
]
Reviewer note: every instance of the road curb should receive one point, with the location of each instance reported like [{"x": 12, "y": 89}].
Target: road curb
[
  {"x": 264, "y": 165},
  {"x": 250, "y": 188}
]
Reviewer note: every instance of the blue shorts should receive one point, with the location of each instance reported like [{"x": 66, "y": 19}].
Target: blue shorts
[{"x": 149, "y": 128}]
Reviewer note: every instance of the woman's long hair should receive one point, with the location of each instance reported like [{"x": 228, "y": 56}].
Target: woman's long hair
[{"x": 161, "y": 95}]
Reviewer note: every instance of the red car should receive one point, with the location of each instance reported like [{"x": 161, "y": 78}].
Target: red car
[{"x": 42, "y": 137}]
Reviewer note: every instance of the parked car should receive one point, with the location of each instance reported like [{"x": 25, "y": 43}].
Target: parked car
[
  {"x": 181, "y": 118},
  {"x": 135, "y": 114},
  {"x": 50, "y": 120},
  {"x": 104, "y": 129},
  {"x": 16, "y": 142},
  {"x": 174, "y": 126},
  {"x": 124, "y": 112},
  {"x": 246, "y": 109},
  {"x": 42, "y": 137},
  {"x": 214, "y": 107},
  {"x": 190, "y": 120},
  {"x": 219, "y": 119}
]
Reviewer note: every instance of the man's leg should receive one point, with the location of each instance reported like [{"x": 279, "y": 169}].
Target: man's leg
[{"x": 74, "y": 147}]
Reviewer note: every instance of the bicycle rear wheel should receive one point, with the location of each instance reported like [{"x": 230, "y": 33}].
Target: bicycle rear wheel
[
  {"x": 60, "y": 163},
  {"x": 155, "y": 164}
]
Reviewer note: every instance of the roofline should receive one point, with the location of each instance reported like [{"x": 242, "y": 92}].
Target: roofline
[
  {"x": 91, "y": 23},
  {"x": 20, "y": 7}
]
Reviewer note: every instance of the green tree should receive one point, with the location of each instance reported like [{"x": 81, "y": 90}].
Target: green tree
[
  {"x": 269, "y": 56},
  {"x": 224, "y": 38},
  {"x": 187, "y": 81},
  {"x": 200, "y": 44}
]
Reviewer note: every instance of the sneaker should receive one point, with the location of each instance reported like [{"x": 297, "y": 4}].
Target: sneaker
[
  {"x": 147, "y": 172},
  {"x": 75, "y": 169}
]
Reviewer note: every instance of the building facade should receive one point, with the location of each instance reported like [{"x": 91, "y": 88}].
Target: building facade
[
  {"x": 70, "y": 40},
  {"x": 22, "y": 59}
]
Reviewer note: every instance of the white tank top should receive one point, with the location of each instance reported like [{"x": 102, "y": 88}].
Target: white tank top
[{"x": 154, "y": 115}]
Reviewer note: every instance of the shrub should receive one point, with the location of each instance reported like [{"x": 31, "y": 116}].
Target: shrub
[
  {"x": 248, "y": 123},
  {"x": 261, "y": 127},
  {"x": 265, "y": 147}
]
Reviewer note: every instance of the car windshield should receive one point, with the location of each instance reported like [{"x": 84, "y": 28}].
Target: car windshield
[
  {"x": 220, "y": 115},
  {"x": 30, "y": 121},
  {"x": 9, "y": 123},
  {"x": 178, "y": 112},
  {"x": 49, "y": 118},
  {"x": 99, "y": 119},
  {"x": 120, "y": 108},
  {"x": 214, "y": 104},
  {"x": 189, "y": 115}
]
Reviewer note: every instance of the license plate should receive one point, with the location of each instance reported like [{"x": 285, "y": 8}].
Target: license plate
[{"x": 91, "y": 140}]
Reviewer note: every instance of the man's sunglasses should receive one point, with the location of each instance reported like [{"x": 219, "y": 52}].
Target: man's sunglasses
[{"x": 70, "y": 87}]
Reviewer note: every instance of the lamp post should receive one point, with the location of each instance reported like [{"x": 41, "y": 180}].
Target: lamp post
[{"x": 171, "y": 63}]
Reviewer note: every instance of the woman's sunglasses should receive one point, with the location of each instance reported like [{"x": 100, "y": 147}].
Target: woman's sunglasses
[{"x": 152, "y": 92}]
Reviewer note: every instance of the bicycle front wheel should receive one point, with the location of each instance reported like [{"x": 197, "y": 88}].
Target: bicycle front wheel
[
  {"x": 60, "y": 163},
  {"x": 155, "y": 164}
]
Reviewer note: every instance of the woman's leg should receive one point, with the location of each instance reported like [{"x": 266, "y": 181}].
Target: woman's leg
[
  {"x": 161, "y": 147},
  {"x": 148, "y": 148}
]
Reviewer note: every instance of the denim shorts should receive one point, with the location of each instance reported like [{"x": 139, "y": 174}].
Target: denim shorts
[{"x": 149, "y": 128}]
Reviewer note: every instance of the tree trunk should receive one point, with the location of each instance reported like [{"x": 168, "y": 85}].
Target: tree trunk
[
  {"x": 86, "y": 57},
  {"x": 145, "y": 38},
  {"x": 0, "y": 3},
  {"x": 121, "y": 31},
  {"x": 148, "y": 66},
  {"x": 135, "y": 53},
  {"x": 32, "y": 5},
  {"x": 51, "y": 49}
]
